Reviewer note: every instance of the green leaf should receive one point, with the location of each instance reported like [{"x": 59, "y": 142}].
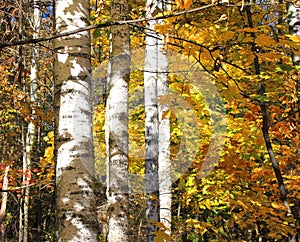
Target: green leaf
[{"x": 97, "y": 33}]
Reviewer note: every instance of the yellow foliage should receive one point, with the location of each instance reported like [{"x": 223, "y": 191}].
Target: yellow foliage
[{"x": 265, "y": 40}]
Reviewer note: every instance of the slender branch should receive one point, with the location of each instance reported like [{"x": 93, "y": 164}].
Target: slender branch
[
  {"x": 103, "y": 25},
  {"x": 283, "y": 119},
  {"x": 115, "y": 23},
  {"x": 21, "y": 187}
]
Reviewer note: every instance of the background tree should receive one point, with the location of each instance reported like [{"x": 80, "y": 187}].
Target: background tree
[
  {"x": 164, "y": 159},
  {"x": 157, "y": 130},
  {"x": 151, "y": 123},
  {"x": 3, "y": 206},
  {"x": 31, "y": 134},
  {"x": 117, "y": 126}
]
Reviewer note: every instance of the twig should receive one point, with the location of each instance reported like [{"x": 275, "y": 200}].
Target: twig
[{"x": 103, "y": 25}]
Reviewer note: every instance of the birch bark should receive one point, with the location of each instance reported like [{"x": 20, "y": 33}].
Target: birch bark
[
  {"x": 75, "y": 199},
  {"x": 157, "y": 129},
  {"x": 3, "y": 205},
  {"x": 294, "y": 24},
  {"x": 164, "y": 162},
  {"x": 294, "y": 27},
  {"x": 151, "y": 125},
  {"x": 117, "y": 126},
  {"x": 31, "y": 128}
]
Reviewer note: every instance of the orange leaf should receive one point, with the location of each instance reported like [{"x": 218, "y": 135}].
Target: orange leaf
[
  {"x": 166, "y": 114},
  {"x": 183, "y": 4},
  {"x": 187, "y": 3}
]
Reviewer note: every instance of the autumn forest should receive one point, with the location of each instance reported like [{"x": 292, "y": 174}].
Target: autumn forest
[{"x": 153, "y": 120}]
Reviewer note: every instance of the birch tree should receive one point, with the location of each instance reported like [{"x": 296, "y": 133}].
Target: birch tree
[
  {"x": 75, "y": 199},
  {"x": 117, "y": 126},
  {"x": 294, "y": 27},
  {"x": 31, "y": 128},
  {"x": 294, "y": 24},
  {"x": 23, "y": 209},
  {"x": 3, "y": 205},
  {"x": 164, "y": 162},
  {"x": 151, "y": 125},
  {"x": 157, "y": 128}
]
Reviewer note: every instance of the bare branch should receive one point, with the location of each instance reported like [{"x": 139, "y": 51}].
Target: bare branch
[
  {"x": 22, "y": 187},
  {"x": 104, "y": 25}
]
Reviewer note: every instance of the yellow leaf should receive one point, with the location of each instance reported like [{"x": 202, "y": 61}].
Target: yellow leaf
[
  {"x": 265, "y": 40},
  {"x": 248, "y": 29},
  {"x": 162, "y": 236},
  {"x": 277, "y": 205},
  {"x": 203, "y": 231},
  {"x": 242, "y": 204},
  {"x": 228, "y": 35},
  {"x": 270, "y": 56},
  {"x": 294, "y": 38},
  {"x": 166, "y": 114}
]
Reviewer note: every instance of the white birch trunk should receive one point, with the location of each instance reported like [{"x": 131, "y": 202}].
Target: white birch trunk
[
  {"x": 3, "y": 205},
  {"x": 21, "y": 209},
  {"x": 294, "y": 25},
  {"x": 151, "y": 126},
  {"x": 117, "y": 126},
  {"x": 158, "y": 166},
  {"x": 75, "y": 199},
  {"x": 31, "y": 129},
  {"x": 164, "y": 162}
]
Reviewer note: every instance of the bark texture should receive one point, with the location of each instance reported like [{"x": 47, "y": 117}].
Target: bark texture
[
  {"x": 151, "y": 126},
  {"x": 294, "y": 24},
  {"x": 75, "y": 199},
  {"x": 3, "y": 205},
  {"x": 294, "y": 27},
  {"x": 157, "y": 129},
  {"x": 117, "y": 126},
  {"x": 31, "y": 128},
  {"x": 164, "y": 162}
]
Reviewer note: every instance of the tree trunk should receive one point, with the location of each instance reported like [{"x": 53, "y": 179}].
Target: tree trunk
[
  {"x": 158, "y": 166},
  {"x": 117, "y": 126},
  {"x": 22, "y": 208},
  {"x": 3, "y": 205},
  {"x": 164, "y": 162},
  {"x": 75, "y": 198},
  {"x": 294, "y": 27},
  {"x": 294, "y": 24},
  {"x": 265, "y": 129},
  {"x": 151, "y": 125},
  {"x": 31, "y": 128}
]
